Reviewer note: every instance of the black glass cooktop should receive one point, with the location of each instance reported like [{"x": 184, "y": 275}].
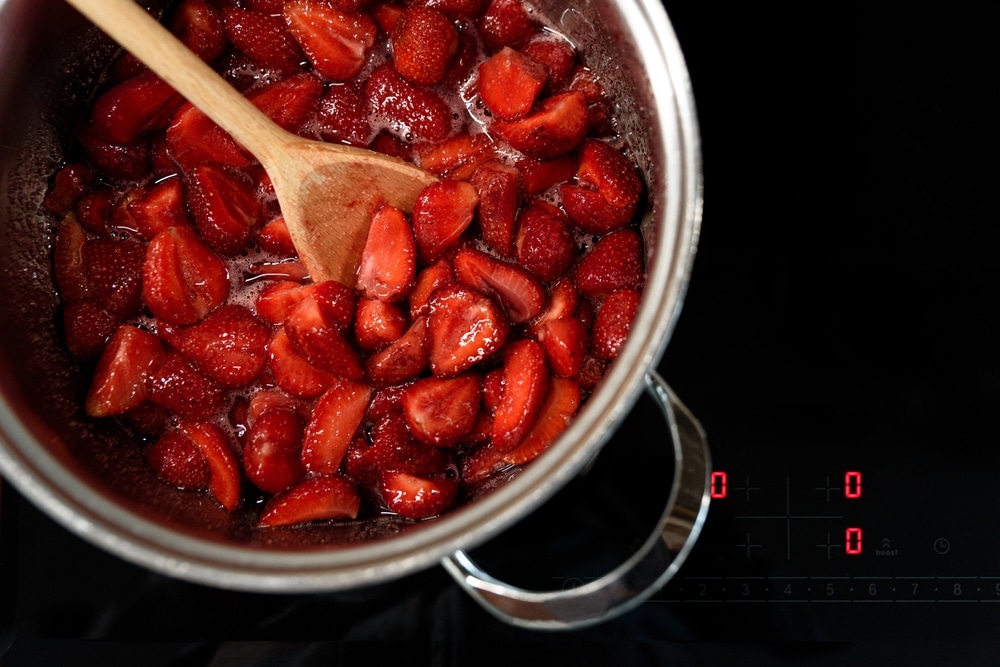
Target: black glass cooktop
[{"x": 839, "y": 344}]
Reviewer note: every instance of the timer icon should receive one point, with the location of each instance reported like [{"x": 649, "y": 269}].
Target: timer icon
[{"x": 942, "y": 546}]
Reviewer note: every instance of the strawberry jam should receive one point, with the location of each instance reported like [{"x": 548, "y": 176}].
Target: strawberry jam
[{"x": 478, "y": 323}]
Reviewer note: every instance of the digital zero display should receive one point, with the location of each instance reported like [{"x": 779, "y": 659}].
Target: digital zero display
[{"x": 852, "y": 484}]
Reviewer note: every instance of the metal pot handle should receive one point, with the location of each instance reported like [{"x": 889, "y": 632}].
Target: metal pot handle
[{"x": 636, "y": 579}]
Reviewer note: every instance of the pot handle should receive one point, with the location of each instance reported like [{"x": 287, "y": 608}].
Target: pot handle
[{"x": 640, "y": 576}]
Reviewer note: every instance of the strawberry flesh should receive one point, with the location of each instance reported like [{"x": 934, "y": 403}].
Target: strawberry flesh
[
  {"x": 464, "y": 328},
  {"x": 316, "y": 498},
  {"x": 440, "y": 411}
]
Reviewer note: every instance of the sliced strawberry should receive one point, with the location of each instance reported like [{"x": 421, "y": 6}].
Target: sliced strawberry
[
  {"x": 521, "y": 294},
  {"x": 402, "y": 360},
  {"x": 556, "y": 56},
  {"x": 278, "y": 299},
  {"x": 320, "y": 341},
  {"x": 144, "y": 102},
  {"x": 342, "y": 116},
  {"x": 615, "y": 262},
  {"x": 225, "y": 479},
  {"x": 193, "y": 137},
  {"x": 121, "y": 217},
  {"x": 69, "y": 267},
  {"x": 561, "y": 404},
  {"x": 69, "y": 184},
  {"x": 525, "y": 383},
  {"x": 378, "y": 323},
  {"x": 148, "y": 419},
  {"x": 456, "y": 158},
  {"x": 199, "y": 24},
  {"x": 556, "y": 127},
  {"x": 316, "y": 498},
  {"x": 93, "y": 209},
  {"x": 492, "y": 388},
  {"x": 176, "y": 459},
  {"x": 608, "y": 191},
  {"x": 336, "y": 42},
  {"x": 128, "y": 162},
  {"x": 412, "y": 113},
  {"x": 182, "y": 280},
  {"x": 423, "y": 42},
  {"x": 389, "y": 258},
  {"x": 119, "y": 382},
  {"x": 272, "y": 451},
  {"x": 114, "y": 273},
  {"x": 464, "y": 327},
  {"x": 292, "y": 102},
  {"x": 334, "y": 422},
  {"x": 600, "y": 117},
  {"x": 338, "y": 303},
  {"x": 385, "y": 15},
  {"x": 274, "y": 399},
  {"x": 179, "y": 386},
  {"x": 565, "y": 343},
  {"x": 442, "y": 211},
  {"x": 436, "y": 275},
  {"x": 564, "y": 300},
  {"x": 87, "y": 327},
  {"x": 393, "y": 447},
  {"x": 440, "y": 411},
  {"x": 292, "y": 371},
  {"x": 224, "y": 205},
  {"x": 274, "y": 238},
  {"x": 290, "y": 269},
  {"x": 545, "y": 245},
  {"x": 415, "y": 497},
  {"x": 264, "y": 38},
  {"x": 498, "y": 185},
  {"x": 539, "y": 175},
  {"x": 229, "y": 345},
  {"x": 389, "y": 144},
  {"x": 509, "y": 83},
  {"x": 161, "y": 206},
  {"x": 505, "y": 23},
  {"x": 456, "y": 9},
  {"x": 387, "y": 400},
  {"x": 611, "y": 326}
]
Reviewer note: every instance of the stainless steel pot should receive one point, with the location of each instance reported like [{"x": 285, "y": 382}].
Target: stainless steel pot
[{"x": 60, "y": 460}]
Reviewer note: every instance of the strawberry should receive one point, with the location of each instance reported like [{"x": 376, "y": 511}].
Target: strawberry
[
  {"x": 565, "y": 343},
  {"x": 334, "y": 422},
  {"x": 505, "y": 23},
  {"x": 274, "y": 238},
  {"x": 224, "y": 206},
  {"x": 229, "y": 345},
  {"x": 464, "y": 327},
  {"x": 608, "y": 191},
  {"x": 385, "y": 15},
  {"x": 413, "y": 113},
  {"x": 600, "y": 117},
  {"x": 393, "y": 448},
  {"x": 69, "y": 268},
  {"x": 120, "y": 217},
  {"x": 403, "y": 359},
  {"x": 87, "y": 327},
  {"x": 316, "y": 498},
  {"x": 199, "y": 24},
  {"x": 292, "y": 371},
  {"x": 456, "y": 9},
  {"x": 509, "y": 83},
  {"x": 615, "y": 262},
  {"x": 93, "y": 209},
  {"x": 285, "y": 270},
  {"x": 225, "y": 479},
  {"x": 545, "y": 245},
  {"x": 389, "y": 144},
  {"x": 70, "y": 183},
  {"x": 338, "y": 303},
  {"x": 521, "y": 294},
  {"x": 442, "y": 211},
  {"x": 319, "y": 339},
  {"x": 561, "y": 404},
  {"x": 147, "y": 419},
  {"x": 277, "y": 300},
  {"x": 387, "y": 400},
  {"x": 292, "y": 103},
  {"x": 556, "y": 127},
  {"x": 612, "y": 323},
  {"x": 564, "y": 300},
  {"x": 456, "y": 158},
  {"x": 193, "y": 137},
  {"x": 591, "y": 373},
  {"x": 119, "y": 382},
  {"x": 176, "y": 459},
  {"x": 525, "y": 382},
  {"x": 492, "y": 388},
  {"x": 498, "y": 186},
  {"x": 127, "y": 162},
  {"x": 556, "y": 56},
  {"x": 264, "y": 38},
  {"x": 389, "y": 257},
  {"x": 538, "y": 175},
  {"x": 342, "y": 115},
  {"x": 114, "y": 274},
  {"x": 182, "y": 279},
  {"x": 161, "y": 206},
  {"x": 423, "y": 41},
  {"x": 179, "y": 386},
  {"x": 139, "y": 104},
  {"x": 336, "y": 42},
  {"x": 272, "y": 451},
  {"x": 415, "y": 497},
  {"x": 274, "y": 399},
  {"x": 378, "y": 323},
  {"x": 264, "y": 6},
  {"x": 438, "y": 274},
  {"x": 440, "y": 411}
]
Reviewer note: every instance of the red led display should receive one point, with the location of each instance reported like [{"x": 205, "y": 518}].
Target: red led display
[
  {"x": 852, "y": 539},
  {"x": 718, "y": 486},
  {"x": 852, "y": 484}
]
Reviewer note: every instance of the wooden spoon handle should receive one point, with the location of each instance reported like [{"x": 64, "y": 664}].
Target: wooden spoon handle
[{"x": 137, "y": 31}]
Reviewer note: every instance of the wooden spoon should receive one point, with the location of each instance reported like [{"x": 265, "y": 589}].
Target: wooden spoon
[{"x": 327, "y": 192}]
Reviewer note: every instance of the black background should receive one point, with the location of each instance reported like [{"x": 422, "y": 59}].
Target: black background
[{"x": 845, "y": 291}]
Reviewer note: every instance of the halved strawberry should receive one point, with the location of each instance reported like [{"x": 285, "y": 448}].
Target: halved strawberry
[
  {"x": 556, "y": 127},
  {"x": 224, "y": 205},
  {"x": 274, "y": 238},
  {"x": 393, "y": 447},
  {"x": 87, "y": 327},
  {"x": 274, "y": 399},
  {"x": 69, "y": 267},
  {"x": 278, "y": 299},
  {"x": 316, "y": 498},
  {"x": 335, "y": 420},
  {"x": 93, "y": 209},
  {"x": 564, "y": 301},
  {"x": 389, "y": 258},
  {"x": 509, "y": 83},
  {"x": 440, "y": 411},
  {"x": 402, "y": 360},
  {"x": 68, "y": 185},
  {"x": 492, "y": 388},
  {"x": 464, "y": 327},
  {"x": 615, "y": 262},
  {"x": 505, "y": 23},
  {"x": 498, "y": 186},
  {"x": 378, "y": 323},
  {"x": 423, "y": 42},
  {"x": 521, "y": 294},
  {"x": 412, "y": 113},
  {"x": 225, "y": 479},
  {"x": 264, "y": 38},
  {"x": 415, "y": 497},
  {"x": 229, "y": 345},
  {"x": 342, "y": 116},
  {"x": 159, "y": 207},
  {"x": 457, "y": 9},
  {"x": 179, "y": 386},
  {"x": 611, "y": 326},
  {"x": 525, "y": 383},
  {"x": 272, "y": 450},
  {"x": 539, "y": 175},
  {"x": 114, "y": 273},
  {"x": 144, "y": 102},
  {"x": 319, "y": 339},
  {"x": 291, "y": 102},
  {"x": 338, "y": 303},
  {"x": 119, "y": 382},
  {"x": 336, "y": 42},
  {"x": 608, "y": 191},
  {"x": 556, "y": 56},
  {"x": 292, "y": 372},
  {"x": 193, "y": 137},
  {"x": 561, "y": 404},
  {"x": 387, "y": 400},
  {"x": 545, "y": 245},
  {"x": 128, "y": 162},
  {"x": 442, "y": 211},
  {"x": 438, "y": 274},
  {"x": 385, "y": 15},
  {"x": 600, "y": 116},
  {"x": 199, "y": 24},
  {"x": 182, "y": 279},
  {"x": 458, "y": 157},
  {"x": 176, "y": 459},
  {"x": 290, "y": 269},
  {"x": 565, "y": 343}
]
